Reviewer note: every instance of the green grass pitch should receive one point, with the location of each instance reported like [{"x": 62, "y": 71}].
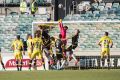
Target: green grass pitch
[{"x": 62, "y": 75}]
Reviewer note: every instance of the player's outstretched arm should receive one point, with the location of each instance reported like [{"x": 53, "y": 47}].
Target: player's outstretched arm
[
  {"x": 60, "y": 25},
  {"x": 12, "y": 45},
  {"x": 99, "y": 43},
  {"x": 111, "y": 45}
]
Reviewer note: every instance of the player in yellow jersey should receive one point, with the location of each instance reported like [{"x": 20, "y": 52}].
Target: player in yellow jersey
[
  {"x": 29, "y": 45},
  {"x": 105, "y": 43},
  {"x": 52, "y": 46},
  {"x": 37, "y": 49},
  {"x": 17, "y": 46}
]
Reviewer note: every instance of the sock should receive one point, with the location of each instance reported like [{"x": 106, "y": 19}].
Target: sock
[
  {"x": 21, "y": 66},
  {"x": 68, "y": 55},
  {"x": 46, "y": 64},
  {"x": 35, "y": 64},
  {"x": 108, "y": 62},
  {"x": 43, "y": 63},
  {"x": 63, "y": 62},
  {"x": 58, "y": 65},
  {"x": 73, "y": 56},
  {"x": 103, "y": 61},
  {"x": 17, "y": 65},
  {"x": 30, "y": 63}
]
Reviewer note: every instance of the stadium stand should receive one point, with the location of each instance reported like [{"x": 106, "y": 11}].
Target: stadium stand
[
  {"x": 12, "y": 22},
  {"x": 98, "y": 11},
  {"x": 16, "y": 24}
]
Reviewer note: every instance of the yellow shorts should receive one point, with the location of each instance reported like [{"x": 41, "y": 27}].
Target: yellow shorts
[
  {"x": 29, "y": 53},
  {"x": 36, "y": 53},
  {"x": 105, "y": 52},
  {"x": 18, "y": 55}
]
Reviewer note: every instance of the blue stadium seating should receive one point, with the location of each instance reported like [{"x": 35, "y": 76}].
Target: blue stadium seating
[
  {"x": 16, "y": 24},
  {"x": 99, "y": 11}
]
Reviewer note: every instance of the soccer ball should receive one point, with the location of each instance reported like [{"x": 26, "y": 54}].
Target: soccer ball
[{"x": 60, "y": 5}]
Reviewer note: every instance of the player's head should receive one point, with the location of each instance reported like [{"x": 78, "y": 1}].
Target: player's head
[
  {"x": 65, "y": 27},
  {"x": 29, "y": 36},
  {"x": 60, "y": 36},
  {"x": 18, "y": 37},
  {"x": 36, "y": 35},
  {"x": 106, "y": 33},
  {"x": 77, "y": 31},
  {"x": 52, "y": 39},
  {"x": 40, "y": 27}
]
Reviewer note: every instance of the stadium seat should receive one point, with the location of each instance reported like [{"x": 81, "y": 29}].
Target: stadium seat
[
  {"x": 101, "y": 8},
  {"x": 108, "y": 5},
  {"x": 95, "y": 5},
  {"x": 115, "y": 5},
  {"x": 101, "y": 4},
  {"x": 40, "y": 1},
  {"x": 16, "y": 1},
  {"x": 8, "y": 1},
  {"x": 108, "y": 1},
  {"x": 89, "y": 13}
]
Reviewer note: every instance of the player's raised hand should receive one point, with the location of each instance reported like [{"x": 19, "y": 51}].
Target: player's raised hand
[{"x": 60, "y": 21}]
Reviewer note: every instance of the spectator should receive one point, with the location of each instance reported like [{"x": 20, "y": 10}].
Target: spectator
[
  {"x": 23, "y": 7},
  {"x": 87, "y": 7},
  {"x": 34, "y": 7}
]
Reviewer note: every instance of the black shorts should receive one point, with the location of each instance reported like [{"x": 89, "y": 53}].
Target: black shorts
[
  {"x": 32, "y": 12},
  {"x": 59, "y": 56},
  {"x": 71, "y": 47}
]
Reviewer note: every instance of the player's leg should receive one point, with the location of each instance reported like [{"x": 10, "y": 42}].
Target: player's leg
[
  {"x": 34, "y": 61},
  {"x": 2, "y": 63},
  {"x": 20, "y": 61},
  {"x": 46, "y": 60},
  {"x": 68, "y": 53},
  {"x": 58, "y": 64},
  {"x": 29, "y": 54},
  {"x": 40, "y": 58},
  {"x": 34, "y": 64},
  {"x": 58, "y": 61},
  {"x": 108, "y": 58},
  {"x": 47, "y": 54},
  {"x": 17, "y": 61},
  {"x": 54, "y": 51},
  {"x": 103, "y": 57},
  {"x": 32, "y": 57},
  {"x": 63, "y": 61},
  {"x": 76, "y": 61},
  {"x": 73, "y": 55}
]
